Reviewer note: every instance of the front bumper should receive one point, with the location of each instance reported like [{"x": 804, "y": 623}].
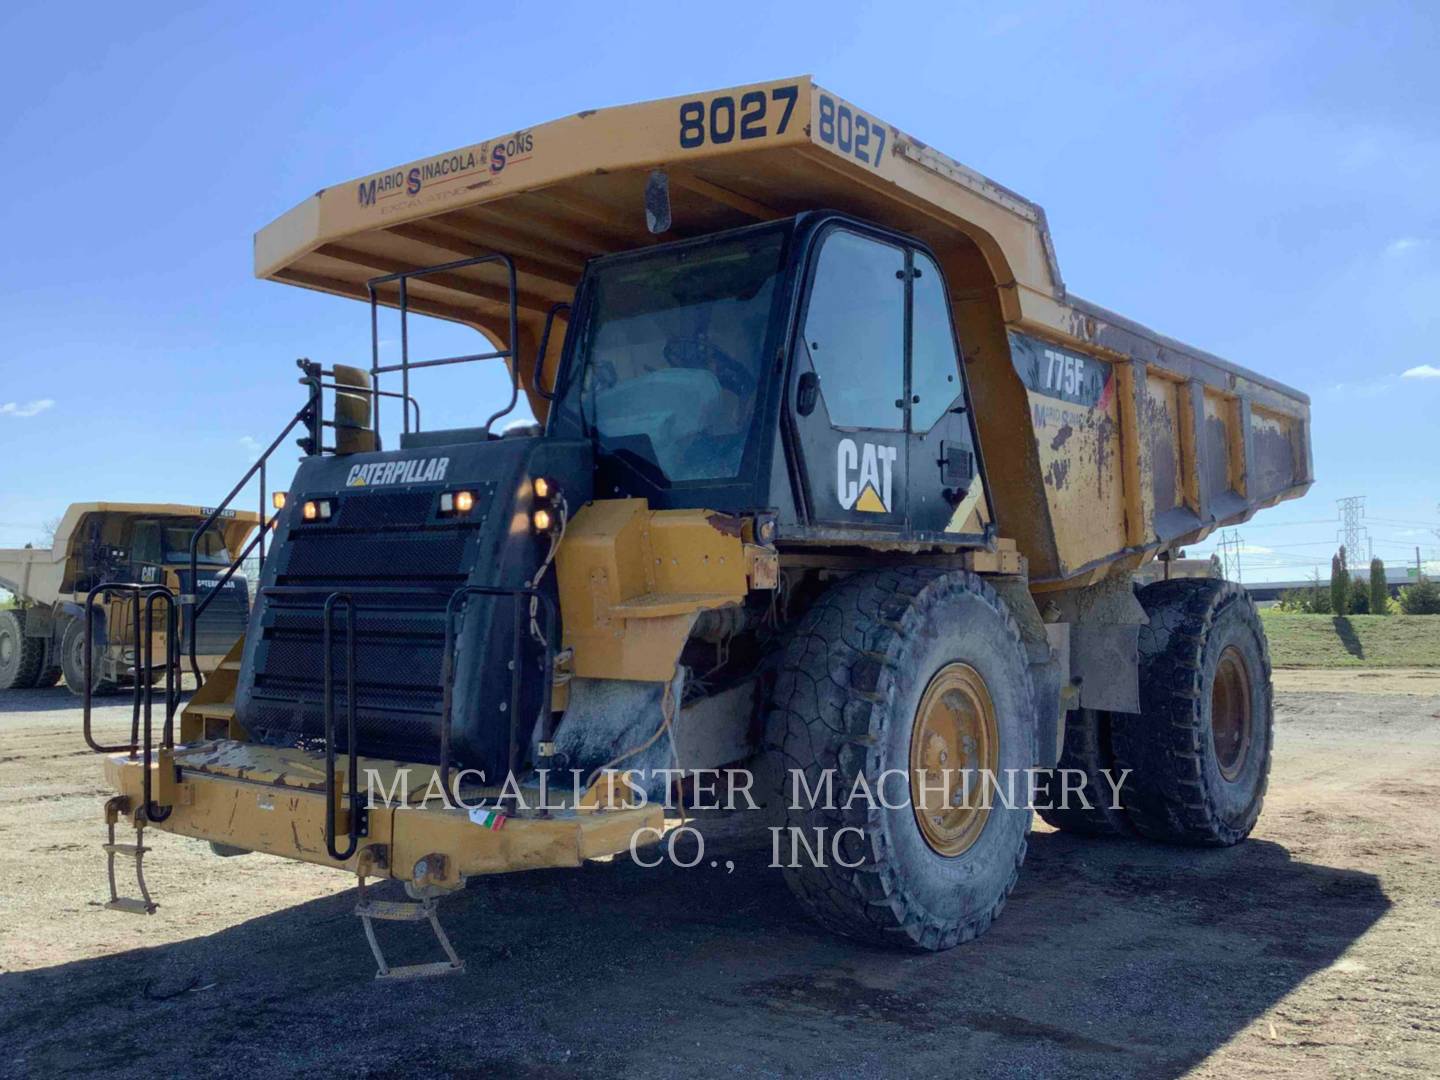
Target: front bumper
[{"x": 272, "y": 800}]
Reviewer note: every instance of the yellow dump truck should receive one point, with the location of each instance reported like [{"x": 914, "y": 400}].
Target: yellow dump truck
[
  {"x": 118, "y": 544},
  {"x": 832, "y": 474}
]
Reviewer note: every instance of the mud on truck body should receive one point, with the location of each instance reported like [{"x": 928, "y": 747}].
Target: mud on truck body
[
  {"x": 127, "y": 547},
  {"x": 832, "y": 474}
]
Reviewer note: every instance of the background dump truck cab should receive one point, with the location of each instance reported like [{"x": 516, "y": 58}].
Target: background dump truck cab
[{"x": 122, "y": 544}]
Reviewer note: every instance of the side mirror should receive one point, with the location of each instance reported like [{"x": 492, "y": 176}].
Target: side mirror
[
  {"x": 807, "y": 393},
  {"x": 657, "y": 202},
  {"x": 354, "y": 427}
]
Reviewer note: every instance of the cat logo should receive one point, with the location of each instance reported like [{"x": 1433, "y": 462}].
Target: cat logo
[{"x": 864, "y": 476}]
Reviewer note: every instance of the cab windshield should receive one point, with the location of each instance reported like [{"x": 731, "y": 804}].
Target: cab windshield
[
  {"x": 211, "y": 551},
  {"x": 672, "y": 355}
]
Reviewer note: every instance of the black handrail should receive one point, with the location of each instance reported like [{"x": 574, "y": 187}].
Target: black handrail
[
  {"x": 510, "y": 353},
  {"x": 144, "y": 654},
  {"x": 347, "y": 389},
  {"x": 309, "y": 414},
  {"x": 172, "y": 663},
  {"x": 537, "y": 379},
  {"x": 352, "y": 760}
]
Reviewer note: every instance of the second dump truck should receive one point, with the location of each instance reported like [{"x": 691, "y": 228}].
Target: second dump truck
[
  {"x": 120, "y": 544},
  {"x": 831, "y": 473}
]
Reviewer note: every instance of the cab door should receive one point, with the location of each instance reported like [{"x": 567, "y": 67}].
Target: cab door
[
  {"x": 848, "y": 383},
  {"x": 946, "y": 494}
]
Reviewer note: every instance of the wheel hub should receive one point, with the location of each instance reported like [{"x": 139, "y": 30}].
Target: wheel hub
[
  {"x": 1230, "y": 713},
  {"x": 7, "y": 647},
  {"x": 954, "y": 747}
]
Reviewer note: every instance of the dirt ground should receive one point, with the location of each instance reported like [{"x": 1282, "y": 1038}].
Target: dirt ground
[{"x": 1311, "y": 950}]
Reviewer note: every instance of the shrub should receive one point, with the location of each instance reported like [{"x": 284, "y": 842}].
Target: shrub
[
  {"x": 1422, "y": 598},
  {"x": 1359, "y": 602}
]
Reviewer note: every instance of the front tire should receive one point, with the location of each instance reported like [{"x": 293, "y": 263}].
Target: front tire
[
  {"x": 21, "y": 657},
  {"x": 890, "y": 676},
  {"x": 72, "y": 662},
  {"x": 1200, "y": 748}
]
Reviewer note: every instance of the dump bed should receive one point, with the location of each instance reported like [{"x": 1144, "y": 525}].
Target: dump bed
[{"x": 1103, "y": 440}]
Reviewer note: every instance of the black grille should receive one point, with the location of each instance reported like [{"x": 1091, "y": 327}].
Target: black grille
[{"x": 377, "y": 541}]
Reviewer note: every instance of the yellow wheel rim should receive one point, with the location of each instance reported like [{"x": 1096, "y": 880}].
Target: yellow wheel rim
[
  {"x": 954, "y": 749},
  {"x": 1230, "y": 720}
]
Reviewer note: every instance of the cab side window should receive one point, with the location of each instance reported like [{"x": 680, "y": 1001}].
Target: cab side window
[
  {"x": 855, "y": 331},
  {"x": 934, "y": 364}
]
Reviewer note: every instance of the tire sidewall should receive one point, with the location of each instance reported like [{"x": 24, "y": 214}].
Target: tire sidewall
[
  {"x": 72, "y": 660},
  {"x": 10, "y": 642},
  {"x": 961, "y": 626},
  {"x": 1236, "y": 802}
]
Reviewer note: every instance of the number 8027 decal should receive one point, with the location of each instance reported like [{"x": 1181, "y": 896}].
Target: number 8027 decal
[
  {"x": 721, "y": 122},
  {"x": 851, "y": 131}
]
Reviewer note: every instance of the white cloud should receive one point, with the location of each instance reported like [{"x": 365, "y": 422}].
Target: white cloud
[
  {"x": 30, "y": 408},
  {"x": 251, "y": 446},
  {"x": 1402, "y": 244},
  {"x": 1424, "y": 371}
]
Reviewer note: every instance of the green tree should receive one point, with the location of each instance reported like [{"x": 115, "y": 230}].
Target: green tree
[
  {"x": 1339, "y": 583},
  {"x": 1379, "y": 594},
  {"x": 1359, "y": 598},
  {"x": 1422, "y": 598}
]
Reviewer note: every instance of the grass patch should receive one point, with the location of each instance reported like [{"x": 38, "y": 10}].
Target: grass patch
[{"x": 1352, "y": 641}]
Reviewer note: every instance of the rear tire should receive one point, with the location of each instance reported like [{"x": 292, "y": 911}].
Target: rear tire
[
  {"x": 1200, "y": 749},
  {"x": 21, "y": 657},
  {"x": 50, "y": 673},
  {"x": 885, "y": 671},
  {"x": 72, "y": 661},
  {"x": 1088, "y": 807}
]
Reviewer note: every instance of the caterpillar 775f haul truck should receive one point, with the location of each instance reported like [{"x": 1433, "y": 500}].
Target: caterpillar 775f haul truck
[
  {"x": 119, "y": 544},
  {"x": 832, "y": 473}
]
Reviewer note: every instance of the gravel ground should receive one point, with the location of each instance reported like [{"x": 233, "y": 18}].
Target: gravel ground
[{"x": 1310, "y": 950}]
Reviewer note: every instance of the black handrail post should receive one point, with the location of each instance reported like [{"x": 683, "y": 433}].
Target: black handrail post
[
  {"x": 375, "y": 357},
  {"x": 136, "y": 706},
  {"x": 152, "y": 812},
  {"x": 263, "y": 523},
  {"x": 328, "y": 710},
  {"x": 405, "y": 348}
]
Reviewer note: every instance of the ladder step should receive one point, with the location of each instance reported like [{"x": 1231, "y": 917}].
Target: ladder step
[
  {"x": 392, "y": 911},
  {"x": 124, "y": 849},
  {"x": 228, "y": 665},
  {"x": 214, "y": 712},
  {"x": 132, "y": 906},
  {"x": 423, "y": 971}
]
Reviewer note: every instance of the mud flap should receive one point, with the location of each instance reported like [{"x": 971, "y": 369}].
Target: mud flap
[{"x": 618, "y": 723}]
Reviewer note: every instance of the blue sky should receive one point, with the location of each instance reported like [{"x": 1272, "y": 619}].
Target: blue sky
[{"x": 1259, "y": 180}]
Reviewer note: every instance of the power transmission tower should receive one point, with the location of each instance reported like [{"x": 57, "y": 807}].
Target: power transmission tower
[
  {"x": 1230, "y": 545},
  {"x": 1352, "y": 533}
]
